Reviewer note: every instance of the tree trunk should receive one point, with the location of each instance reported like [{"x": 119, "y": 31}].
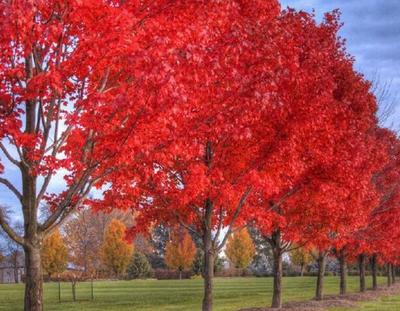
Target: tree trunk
[
  {"x": 180, "y": 274},
  {"x": 91, "y": 288},
  {"x": 208, "y": 269},
  {"x": 320, "y": 279},
  {"x": 16, "y": 275},
  {"x": 374, "y": 272},
  {"x": 59, "y": 289},
  {"x": 343, "y": 272},
  {"x": 302, "y": 270},
  {"x": 277, "y": 294},
  {"x": 361, "y": 265},
  {"x": 393, "y": 274},
  {"x": 33, "y": 279},
  {"x": 208, "y": 276},
  {"x": 275, "y": 242},
  {"x": 389, "y": 274},
  {"x": 73, "y": 286}
]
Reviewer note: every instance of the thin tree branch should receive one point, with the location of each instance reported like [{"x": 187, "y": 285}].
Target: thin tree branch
[
  {"x": 242, "y": 201},
  {"x": 8, "y": 155},
  {"x": 10, "y": 231},
  {"x": 186, "y": 226},
  {"x": 10, "y": 186}
]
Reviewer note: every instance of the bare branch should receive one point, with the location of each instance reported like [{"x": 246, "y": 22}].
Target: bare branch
[
  {"x": 186, "y": 226},
  {"x": 9, "y": 230},
  {"x": 8, "y": 155},
  {"x": 10, "y": 186},
  {"x": 219, "y": 226},
  {"x": 242, "y": 201}
]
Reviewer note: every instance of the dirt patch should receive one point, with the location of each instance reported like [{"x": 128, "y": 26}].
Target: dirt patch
[{"x": 346, "y": 301}]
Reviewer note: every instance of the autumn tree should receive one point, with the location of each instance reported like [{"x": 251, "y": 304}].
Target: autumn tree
[
  {"x": 116, "y": 252},
  {"x": 84, "y": 234},
  {"x": 301, "y": 208},
  {"x": 54, "y": 254},
  {"x": 250, "y": 129},
  {"x": 380, "y": 233},
  {"x": 180, "y": 251},
  {"x": 300, "y": 257},
  {"x": 69, "y": 101},
  {"x": 202, "y": 175},
  {"x": 240, "y": 249}
]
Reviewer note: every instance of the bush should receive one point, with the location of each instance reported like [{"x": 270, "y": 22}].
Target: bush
[
  {"x": 164, "y": 274},
  {"x": 234, "y": 272},
  {"x": 139, "y": 267}
]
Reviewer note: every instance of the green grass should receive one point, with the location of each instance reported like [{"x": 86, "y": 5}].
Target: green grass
[
  {"x": 231, "y": 294},
  {"x": 383, "y": 304}
]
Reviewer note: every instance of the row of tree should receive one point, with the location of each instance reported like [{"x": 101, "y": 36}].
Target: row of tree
[
  {"x": 85, "y": 249},
  {"x": 210, "y": 115}
]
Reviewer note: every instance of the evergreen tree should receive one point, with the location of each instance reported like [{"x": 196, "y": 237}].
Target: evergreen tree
[{"x": 139, "y": 267}]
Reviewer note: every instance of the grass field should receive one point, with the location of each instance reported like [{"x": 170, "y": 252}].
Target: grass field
[
  {"x": 384, "y": 304},
  {"x": 231, "y": 294}
]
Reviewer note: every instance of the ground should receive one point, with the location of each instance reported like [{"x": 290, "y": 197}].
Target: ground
[{"x": 231, "y": 294}]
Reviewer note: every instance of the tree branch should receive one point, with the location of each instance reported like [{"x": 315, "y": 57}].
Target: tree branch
[
  {"x": 8, "y": 155},
  {"x": 11, "y": 187},
  {"x": 235, "y": 216},
  {"x": 186, "y": 226},
  {"x": 10, "y": 231}
]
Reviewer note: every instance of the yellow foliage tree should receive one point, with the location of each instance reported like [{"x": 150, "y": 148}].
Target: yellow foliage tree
[
  {"x": 240, "y": 249},
  {"x": 180, "y": 251},
  {"x": 116, "y": 253},
  {"x": 54, "y": 254},
  {"x": 301, "y": 257}
]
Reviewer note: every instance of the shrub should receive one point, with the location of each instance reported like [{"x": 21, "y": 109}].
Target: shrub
[
  {"x": 139, "y": 267},
  {"x": 164, "y": 274}
]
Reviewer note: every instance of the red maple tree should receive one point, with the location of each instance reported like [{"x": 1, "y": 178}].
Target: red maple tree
[
  {"x": 328, "y": 156},
  {"x": 71, "y": 105}
]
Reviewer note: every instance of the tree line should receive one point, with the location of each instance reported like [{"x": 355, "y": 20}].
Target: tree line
[{"x": 208, "y": 115}]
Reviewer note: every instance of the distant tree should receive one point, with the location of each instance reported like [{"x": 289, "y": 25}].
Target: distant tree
[
  {"x": 300, "y": 257},
  {"x": 143, "y": 244},
  {"x": 159, "y": 238},
  {"x": 115, "y": 251},
  {"x": 240, "y": 249},
  {"x": 54, "y": 254},
  {"x": 84, "y": 237},
  {"x": 180, "y": 251},
  {"x": 263, "y": 259},
  {"x": 197, "y": 264},
  {"x": 139, "y": 267}
]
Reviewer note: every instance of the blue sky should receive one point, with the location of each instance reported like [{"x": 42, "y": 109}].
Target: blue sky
[{"x": 372, "y": 30}]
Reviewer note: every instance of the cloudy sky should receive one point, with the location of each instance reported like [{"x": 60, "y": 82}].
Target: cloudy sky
[{"x": 372, "y": 30}]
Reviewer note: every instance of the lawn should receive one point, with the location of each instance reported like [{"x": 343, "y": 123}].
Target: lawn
[
  {"x": 231, "y": 294},
  {"x": 384, "y": 304}
]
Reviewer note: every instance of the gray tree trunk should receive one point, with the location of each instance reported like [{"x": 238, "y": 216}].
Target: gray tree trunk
[
  {"x": 33, "y": 280},
  {"x": 343, "y": 272},
  {"x": 208, "y": 270},
  {"x": 275, "y": 242},
  {"x": 389, "y": 274},
  {"x": 361, "y": 265},
  {"x": 320, "y": 279},
  {"x": 374, "y": 272}
]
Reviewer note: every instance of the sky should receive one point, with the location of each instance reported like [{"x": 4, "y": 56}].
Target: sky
[{"x": 372, "y": 31}]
